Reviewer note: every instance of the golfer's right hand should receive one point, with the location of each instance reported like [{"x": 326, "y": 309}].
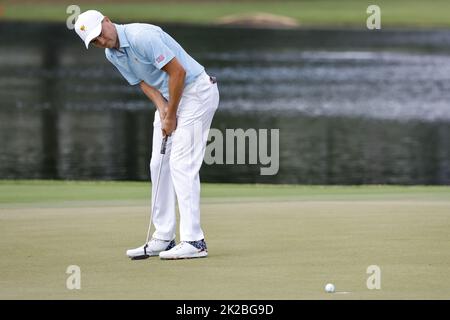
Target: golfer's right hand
[
  {"x": 168, "y": 125},
  {"x": 162, "y": 112}
]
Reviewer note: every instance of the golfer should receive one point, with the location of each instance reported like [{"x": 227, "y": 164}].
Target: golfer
[{"x": 186, "y": 98}]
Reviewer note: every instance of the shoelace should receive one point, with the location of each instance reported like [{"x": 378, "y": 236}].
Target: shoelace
[
  {"x": 153, "y": 240},
  {"x": 179, "y": 246},
  {"x": 157, "y": 240}
]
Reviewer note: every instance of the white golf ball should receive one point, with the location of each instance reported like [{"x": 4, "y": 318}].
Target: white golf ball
[{"x": 329, "y": 288}]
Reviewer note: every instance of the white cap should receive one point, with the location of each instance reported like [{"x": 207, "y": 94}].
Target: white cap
[{"x": 89, "y": 26}]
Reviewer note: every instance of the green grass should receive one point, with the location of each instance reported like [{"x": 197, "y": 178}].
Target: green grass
[
  {"x": 265, "y": 242},
  {"x": 13, "y": 192},
  {"x": 322, "y": 13}
]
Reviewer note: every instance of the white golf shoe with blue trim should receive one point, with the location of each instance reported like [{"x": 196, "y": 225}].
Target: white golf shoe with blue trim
[
  {"x": 152, "y": 248},
  {"x": 186, "y": 250}
]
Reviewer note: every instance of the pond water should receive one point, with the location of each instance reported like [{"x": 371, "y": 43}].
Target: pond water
[{"x": 351, "y": 106}]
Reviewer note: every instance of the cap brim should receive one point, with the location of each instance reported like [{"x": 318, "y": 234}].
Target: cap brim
[{"x": 95, "y": 33}]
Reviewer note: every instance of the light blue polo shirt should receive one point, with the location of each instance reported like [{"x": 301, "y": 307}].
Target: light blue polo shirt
[{"x": 144, "y": 50}]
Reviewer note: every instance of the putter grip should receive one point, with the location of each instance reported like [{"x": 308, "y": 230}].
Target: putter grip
[{"x": 163, "y": 145}]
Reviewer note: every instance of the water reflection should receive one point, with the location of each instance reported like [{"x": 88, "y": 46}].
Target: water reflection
[
  {"x": 115, "y": 144},
  {"x": 352, "y": 107}
]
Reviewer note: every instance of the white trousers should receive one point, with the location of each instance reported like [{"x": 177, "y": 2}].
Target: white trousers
[{"x": 185, "y": 150}]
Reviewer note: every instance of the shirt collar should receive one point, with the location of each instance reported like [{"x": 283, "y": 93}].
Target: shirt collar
[{"x": 123, "y": 41}]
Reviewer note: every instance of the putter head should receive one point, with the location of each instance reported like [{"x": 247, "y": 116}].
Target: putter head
[{"x": 143, "y": 257}]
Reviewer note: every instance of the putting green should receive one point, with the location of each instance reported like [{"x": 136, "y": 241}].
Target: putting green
[{"x": 265, "y": 242}]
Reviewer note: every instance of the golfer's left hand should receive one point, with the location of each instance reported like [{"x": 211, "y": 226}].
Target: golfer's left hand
[{"x": 169, "y": 125}]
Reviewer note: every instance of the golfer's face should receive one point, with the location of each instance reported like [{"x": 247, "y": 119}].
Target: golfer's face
[{"x": 107, "y": 38}]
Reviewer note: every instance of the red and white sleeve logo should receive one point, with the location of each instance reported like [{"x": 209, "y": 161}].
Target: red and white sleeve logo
[{"x": 160, "y": 58}]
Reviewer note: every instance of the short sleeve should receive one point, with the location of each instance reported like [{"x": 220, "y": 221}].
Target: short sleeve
[
  {"x": 157, "y": 52},
  {"x": 124, "y": 71}
]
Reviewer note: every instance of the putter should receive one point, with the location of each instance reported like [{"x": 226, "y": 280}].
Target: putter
[{"x": 163, "y": 152}]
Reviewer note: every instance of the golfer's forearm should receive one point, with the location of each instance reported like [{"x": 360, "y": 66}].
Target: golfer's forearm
[
  {"x": 154, "y": 95},
  {"x": 176, "y": 86}
]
